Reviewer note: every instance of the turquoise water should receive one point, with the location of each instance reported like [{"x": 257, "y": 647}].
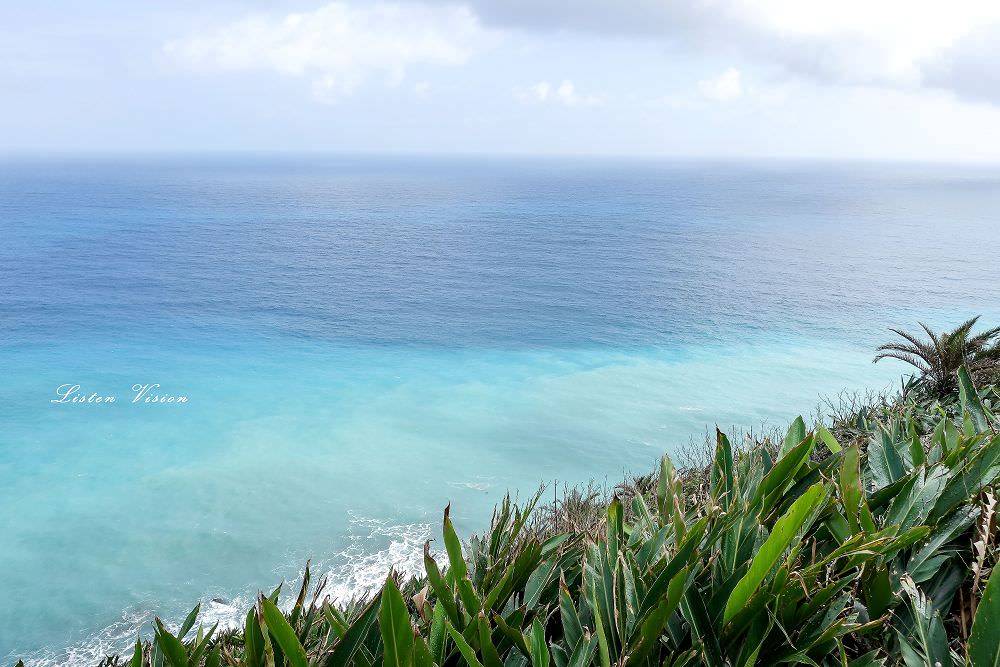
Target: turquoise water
[{"x": 362, "y": 341}]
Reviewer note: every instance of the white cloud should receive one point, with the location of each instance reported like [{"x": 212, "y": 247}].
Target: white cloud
[
  {"x": 339, "y": 46},
  {"x": 895, "y": 43},
  {"x": 565, "y": 93},
  {"x": 422, "y": 89},
  {"x": 730, "y": 89},
  {"x": 905, "y": 44},
  {"x": 723, "y": 88},
  {"x": 538, "y": 92}
]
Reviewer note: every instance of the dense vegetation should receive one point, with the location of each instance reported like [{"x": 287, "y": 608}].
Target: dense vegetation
[
  {"x": 868, "y": 541},
  {"x": 939, "y": 357}
]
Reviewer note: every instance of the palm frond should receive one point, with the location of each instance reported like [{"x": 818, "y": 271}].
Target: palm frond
[
  {"x": 940, "y": 355},
  {"x": 916, "y": 342},
  {"x": 984, "y": 338},
  {"x": 916, "y": 362}
]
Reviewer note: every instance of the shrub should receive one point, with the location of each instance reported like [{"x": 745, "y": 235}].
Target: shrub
[{"x": 939, "y": 358}]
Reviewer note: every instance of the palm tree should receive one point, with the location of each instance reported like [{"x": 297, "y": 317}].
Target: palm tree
[{"x": 939, "y": 358}]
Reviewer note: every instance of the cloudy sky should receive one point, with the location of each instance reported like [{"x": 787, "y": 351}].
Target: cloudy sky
[{"x": 887, "y": 79}]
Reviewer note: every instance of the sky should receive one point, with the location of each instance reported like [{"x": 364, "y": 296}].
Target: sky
[{"x": 859, "y": 79}]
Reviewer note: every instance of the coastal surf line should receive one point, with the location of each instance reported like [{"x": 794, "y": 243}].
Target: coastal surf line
[{"x": 141, "y": 393}]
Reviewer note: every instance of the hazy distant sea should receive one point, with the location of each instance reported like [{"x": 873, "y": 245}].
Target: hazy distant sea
[{"x": 362, "y": 340}]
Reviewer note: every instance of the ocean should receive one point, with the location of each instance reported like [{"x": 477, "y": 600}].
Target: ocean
[{"x": 361, "y": 340}]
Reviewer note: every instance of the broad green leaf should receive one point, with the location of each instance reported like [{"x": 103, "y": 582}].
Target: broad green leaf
[
  {"x": 770, "y": 552},
  {"x": 984, "y": 640},
  {"x": 355, "y": 635},
  {"x": 643, "y": 517},
  {"x": 394, "y": 626},
  {"x": 553, "y": 543},
  {"x": 572, "y": 628},
  {"x": 421, "y": 654},
  {"x": 852, "y": 495},
  {"x": 599, "y": 578},
  {"x": 335, "y": 619},
  {"x": 952, "y": 437},
  {"x": 971, "y": 405},
  {"x": 284, "y": 634},
  {"x": 917, "y": 450},
  {"x": 512, "y": 632},
  {"x": 442, "y": 590},
  {"x": 560, "y": 658},
  {"x": 172, "y": 647},
  {"x": 918, "y": 497},
  {"x": 454, "y": 548},
  {"x": 722, "y": 467},
  {"x": 703, "y": 631},
  {"x": 783, "y": 472},
  {"x": 271, "y": 655},
  {"x": 463, "y": 647},
  {"x": 189, "y": 622},
  {"x": 500, "y": 589},
  {"x": 437, "y": 633},
  {"x": 867, "y": 660},
  {"x": 539, "y": 649},
  {"x": 470, "y": 599},
  {"x": 938, "y": 437},
  {"x": 136, "y": 655},
  {"x": 929, "y": 638},
  {"x": 904, "y": 540},
  {"x": 201, "y": 644},
  {"x": 665, "y": 490},
  {"x": 253, "y": 640},
  {"x": 829, "y": 440},
  {"x": 796, "y": 434},
  {"x": 838, "y": 526},
  {"x": 156, "y": 659},
  {"x": 877, "y": 590},
  {"x": 883, "y": 460},
  {"x": 615, "y": 527},
  {"x": 685, "y": 555},
  {"x": 911, "y": 657},
  {"x": 652, "y": 625},
  {"x": 300, "y": 599},
  {"x": 926, "y": 560},
  {"x": 584, "y": 653},
  {"x": 602, "y": 640},
  {"x": 491, "y": 657},
  {"x": 970, "y": 480}
]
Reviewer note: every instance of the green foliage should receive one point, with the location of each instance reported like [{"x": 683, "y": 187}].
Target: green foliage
[
  {"x": 394, "y": 626},
  {"x": 939, "y": 358},
  {"x": 984, "y": 642},
  {"x": 813, "y": 551}
]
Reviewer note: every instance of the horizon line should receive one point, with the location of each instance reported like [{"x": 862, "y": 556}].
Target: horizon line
[{"x": 21, "y": 154}]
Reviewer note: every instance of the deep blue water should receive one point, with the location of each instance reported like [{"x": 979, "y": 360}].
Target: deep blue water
[{"x": 362, "y": 340}]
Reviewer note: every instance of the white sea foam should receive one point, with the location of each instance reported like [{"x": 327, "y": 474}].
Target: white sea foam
[
  {"x": 109, "y": 640},
  {"x": 373, "y": 548},
  {"x": 359, "y": 569},
  {"x": 475, "y": 486}
]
